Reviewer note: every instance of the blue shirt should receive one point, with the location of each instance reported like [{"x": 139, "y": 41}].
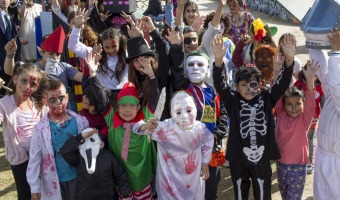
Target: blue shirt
[
  {"x": 209, "y": 114},
  {"x": 59, "y": 134}
]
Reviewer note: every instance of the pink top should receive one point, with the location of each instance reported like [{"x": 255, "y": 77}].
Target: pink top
[
  {"x": 26, "y": 122},
  {"x": 291, "y": 133}
]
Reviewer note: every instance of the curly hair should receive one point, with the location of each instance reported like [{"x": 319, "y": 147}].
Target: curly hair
[
  {"x": 264, "y": 66},
  {"x": 142, "y": 81},
  {"x": 247, "y": 73},
  {"x": 110, "y": 34},
  {"x": 225, "y": 19}
]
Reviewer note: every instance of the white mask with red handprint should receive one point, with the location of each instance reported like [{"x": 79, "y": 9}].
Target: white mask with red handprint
[
  {"x": 183, "y": 110},
  {"x": 89, "y": 150}
]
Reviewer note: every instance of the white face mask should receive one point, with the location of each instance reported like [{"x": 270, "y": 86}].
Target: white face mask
[
  {"x": 90, "y": 149},
  {"x": 196, "y": 68},
  {"x": 51, "y": 65},
  {"x": 183, "y": 111}
]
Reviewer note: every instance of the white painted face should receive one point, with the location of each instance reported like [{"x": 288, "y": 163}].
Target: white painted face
[
  {"x": 183, "y": 111},
  {"x": 90, "y": 149},
  {"x": 196, "y": 68}
]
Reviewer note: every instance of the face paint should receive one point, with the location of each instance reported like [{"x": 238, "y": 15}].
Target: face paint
[
  {"x": 89, "y": 150},
  {"x": 183, "y": 111},
  {"x": 26, "y": 84},
  {"x": 57, "y": 102},
  {"x": 264, "y": 62},
  {"x": 196, "y": 68}
]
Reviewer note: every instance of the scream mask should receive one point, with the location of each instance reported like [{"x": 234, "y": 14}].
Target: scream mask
[
  {"x": 183, "y": 110},
  {"x": 264, "y": 55},
  {"x": 196, "y": 67},
  {"x": 89, "y": 149}
]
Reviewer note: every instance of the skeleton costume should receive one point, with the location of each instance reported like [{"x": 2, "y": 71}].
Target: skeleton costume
[
  {"x": 183, "y": 144},
  {"x": 251, "y": 141},
  {"x": 97, "y": 177}
]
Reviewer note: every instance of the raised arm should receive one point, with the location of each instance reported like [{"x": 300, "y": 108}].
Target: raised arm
[
  {"x": 282, "y": 83},
  {"x": 74, "y": 44},
  {"x": 101, "y": 97},
  {"x": 176, "y": 57},
  {"x": 10, "y": 48},
  {"x": 179, "y": 12},
  {"x": 163, "y": 58}
]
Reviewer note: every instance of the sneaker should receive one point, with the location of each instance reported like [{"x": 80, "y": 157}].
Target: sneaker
[{"x": 310, "y": 168}]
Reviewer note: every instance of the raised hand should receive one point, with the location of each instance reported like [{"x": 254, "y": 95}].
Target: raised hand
[
  {"x": 181, "y": 3},
  {"x": 136, "y": 29},
  {"x": 174, "y": 37},
  {"x": 146, "y": 66},
  {"x": 310, "y": 70},
  {"x": 128, "y": 18},
  {"x": 245, "y": 38},
  {"x": 334, "y": 38},
  {"x": 218, "y": 48},
  {"x": 198, "y": 23},
  {"x": 288, "y": 47},
  {"x": 147, "y": 23},
  {"x": 190, "y": 165},
  {"x": 92, "y": 63},
  {"x": 81, "y": 18},
  {"x": 11, "y": 48},
  {"x": 97, "y": 49},
  {"x": 104, "y": 16},
  {"x": 278, "y": 62}
]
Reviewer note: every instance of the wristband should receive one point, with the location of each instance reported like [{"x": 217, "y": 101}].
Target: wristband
[{"x": 10, "y": 56}]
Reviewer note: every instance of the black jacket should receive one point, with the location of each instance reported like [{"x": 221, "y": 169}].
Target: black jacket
[{"x": 102, "y": 183}]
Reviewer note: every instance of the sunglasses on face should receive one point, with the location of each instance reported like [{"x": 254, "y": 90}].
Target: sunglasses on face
[
  {"x": 189, "y": 40},
  {"x": 54, "y": 100}
]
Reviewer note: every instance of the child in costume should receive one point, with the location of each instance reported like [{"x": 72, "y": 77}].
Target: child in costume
[
  {"x": 209, "y": 110},
  {"x": 136, "y": 154},
  {"x": 98, "y": 170},
  {"x": 19, "y": 112},
  {"x": 112, "y": 72},
  {"x": 319, "y": 102},
  {"x": 184, "y": 147},
  {"x": 48, "y": 174},
  {"x": 251, "y": 141},
  {"x": 294, "y": 114},
  {"x": 327, "y": 150}
]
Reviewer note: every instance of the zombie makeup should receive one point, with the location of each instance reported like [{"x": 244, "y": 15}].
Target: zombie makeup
[
  {"x": 26, "y": 84},
  {"x": 57, "y": 100},
  {"x": 111, "y": 46},
  {"x": 264, "y": 55},
  {"x": 183, "y": 111},
  {"x": 196, "y": 68}
]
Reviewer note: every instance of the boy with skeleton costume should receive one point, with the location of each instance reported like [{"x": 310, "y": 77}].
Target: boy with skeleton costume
[
  {"x": 184, "y": 150},
  {"x": 251, "y": 141},
  {"x": 98, "y": 170}
]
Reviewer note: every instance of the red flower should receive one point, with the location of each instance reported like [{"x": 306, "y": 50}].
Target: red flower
[{"x": 260, "y": 35}]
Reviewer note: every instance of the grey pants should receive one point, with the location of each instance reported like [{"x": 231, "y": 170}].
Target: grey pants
[{"x": 310, "y": 136}]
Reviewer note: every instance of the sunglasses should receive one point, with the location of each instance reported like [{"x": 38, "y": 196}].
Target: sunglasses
[{"x": 189, "y": 40}]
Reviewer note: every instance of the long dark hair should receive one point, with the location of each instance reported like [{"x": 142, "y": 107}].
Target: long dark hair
[
  {"x": 21, "y": 68},
  {"x": 110, "y": 34},
  {"x": 141, "y": 82}
]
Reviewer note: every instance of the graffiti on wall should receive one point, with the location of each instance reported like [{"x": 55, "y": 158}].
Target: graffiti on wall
[{"x": 271, "y": 7}]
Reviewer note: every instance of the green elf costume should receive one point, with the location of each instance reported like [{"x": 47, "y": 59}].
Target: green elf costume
[{"x": 137, "y": 155}]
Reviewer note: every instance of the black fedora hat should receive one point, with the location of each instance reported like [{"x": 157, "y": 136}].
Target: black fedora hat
[{"x": 137, "y": 47}]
